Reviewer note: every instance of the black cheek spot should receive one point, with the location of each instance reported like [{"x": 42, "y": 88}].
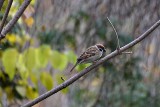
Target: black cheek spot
[{"x": 100, "y": 49}]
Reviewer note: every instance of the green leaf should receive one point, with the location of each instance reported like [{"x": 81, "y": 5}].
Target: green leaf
[
  {"x": 33, "y": 2},
  {"x": 60, "y": 81},
  {"x": 30, "y": 58},
  {"x": 71, "y": 56},
  {"x": 9, "y": 60},
  {"x": 43, "y": 54},
  {"x": 58, "y": 60},
  {"x": 21, "y": 90},
  {"x": 65, "y": 90},
  {"x": 58, "y": 77},
  {"x": 82, "y": 66},
  {"x": 46, "y": 80},
  {"x": 23, "y": 82},
  {"x": 21, "y": 67}
]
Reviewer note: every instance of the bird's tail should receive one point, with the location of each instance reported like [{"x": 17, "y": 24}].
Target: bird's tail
[{"x": 74, "y": 67}]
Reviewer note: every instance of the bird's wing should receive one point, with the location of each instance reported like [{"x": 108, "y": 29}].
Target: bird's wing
[{"x": 91, "y": 51}]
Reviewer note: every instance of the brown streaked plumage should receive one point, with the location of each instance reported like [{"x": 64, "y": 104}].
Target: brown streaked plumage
[{"x": 91, "y": 54}]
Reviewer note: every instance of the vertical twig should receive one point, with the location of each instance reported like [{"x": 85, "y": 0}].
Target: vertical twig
[
  {"x": 118, "y": 45},
  {"x": 5, "y": 15}
]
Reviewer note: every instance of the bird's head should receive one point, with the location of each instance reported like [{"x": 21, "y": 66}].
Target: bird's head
[{"x": 101, "y": 47}]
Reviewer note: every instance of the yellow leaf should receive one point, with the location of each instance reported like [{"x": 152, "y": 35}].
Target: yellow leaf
[
  {"x": 30, "y": 59},
  {"x": 34, "y": 78},
  {"x": 11, "y": 38},
  {"x": 29, "y": 21},
  {"x": 47, "y": 80},
  {"x": 43, "y": 54},
  {"x": 21, "y": 67},
  {"x": 9, "y": 61},
  {"x": 31, "y": 93},
  {"x": 33, "y": 2}
]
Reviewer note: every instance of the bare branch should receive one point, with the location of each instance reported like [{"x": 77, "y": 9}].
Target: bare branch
[
  {"x": 6, "y": 15},
  {"x": 118, "y": 45},
  {"x": 11, "y": 23},
  {"x": 88, "y": 69},
  {"x": 1, "y": 4}
]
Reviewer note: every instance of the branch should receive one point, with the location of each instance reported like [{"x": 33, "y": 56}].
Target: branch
[
  {"x": 6, "y": 15},
  {"x": 1, "y": 4},
  {"x": 88, "y": 69},
  {"x": 11, "y": 23}
]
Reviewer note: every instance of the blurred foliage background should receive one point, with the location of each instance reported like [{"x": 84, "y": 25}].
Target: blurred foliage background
[{"x": 44, "y": 45}]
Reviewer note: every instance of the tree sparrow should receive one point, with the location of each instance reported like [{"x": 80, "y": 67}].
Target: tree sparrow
[{"x": 91, "y": 54}]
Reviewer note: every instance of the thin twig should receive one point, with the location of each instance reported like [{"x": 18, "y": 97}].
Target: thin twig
[
  {"x": 12, "y": 22},
  {"x": 118, "y": 45},
  {"x": 5, "y": 15},
  {"x": 88, "y": 69}
]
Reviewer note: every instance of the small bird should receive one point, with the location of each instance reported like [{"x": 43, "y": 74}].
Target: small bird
[{"x": 92, "y": 54}]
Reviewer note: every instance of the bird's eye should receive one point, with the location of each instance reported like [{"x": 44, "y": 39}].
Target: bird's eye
[{"x": 100, "y": 49}]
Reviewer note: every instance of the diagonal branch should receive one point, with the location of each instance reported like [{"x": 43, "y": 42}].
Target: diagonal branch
[
  {"x": 12, "y": 22},
  {"x": 88, "y": 69},
  {"x": 5, "y": 15}
]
